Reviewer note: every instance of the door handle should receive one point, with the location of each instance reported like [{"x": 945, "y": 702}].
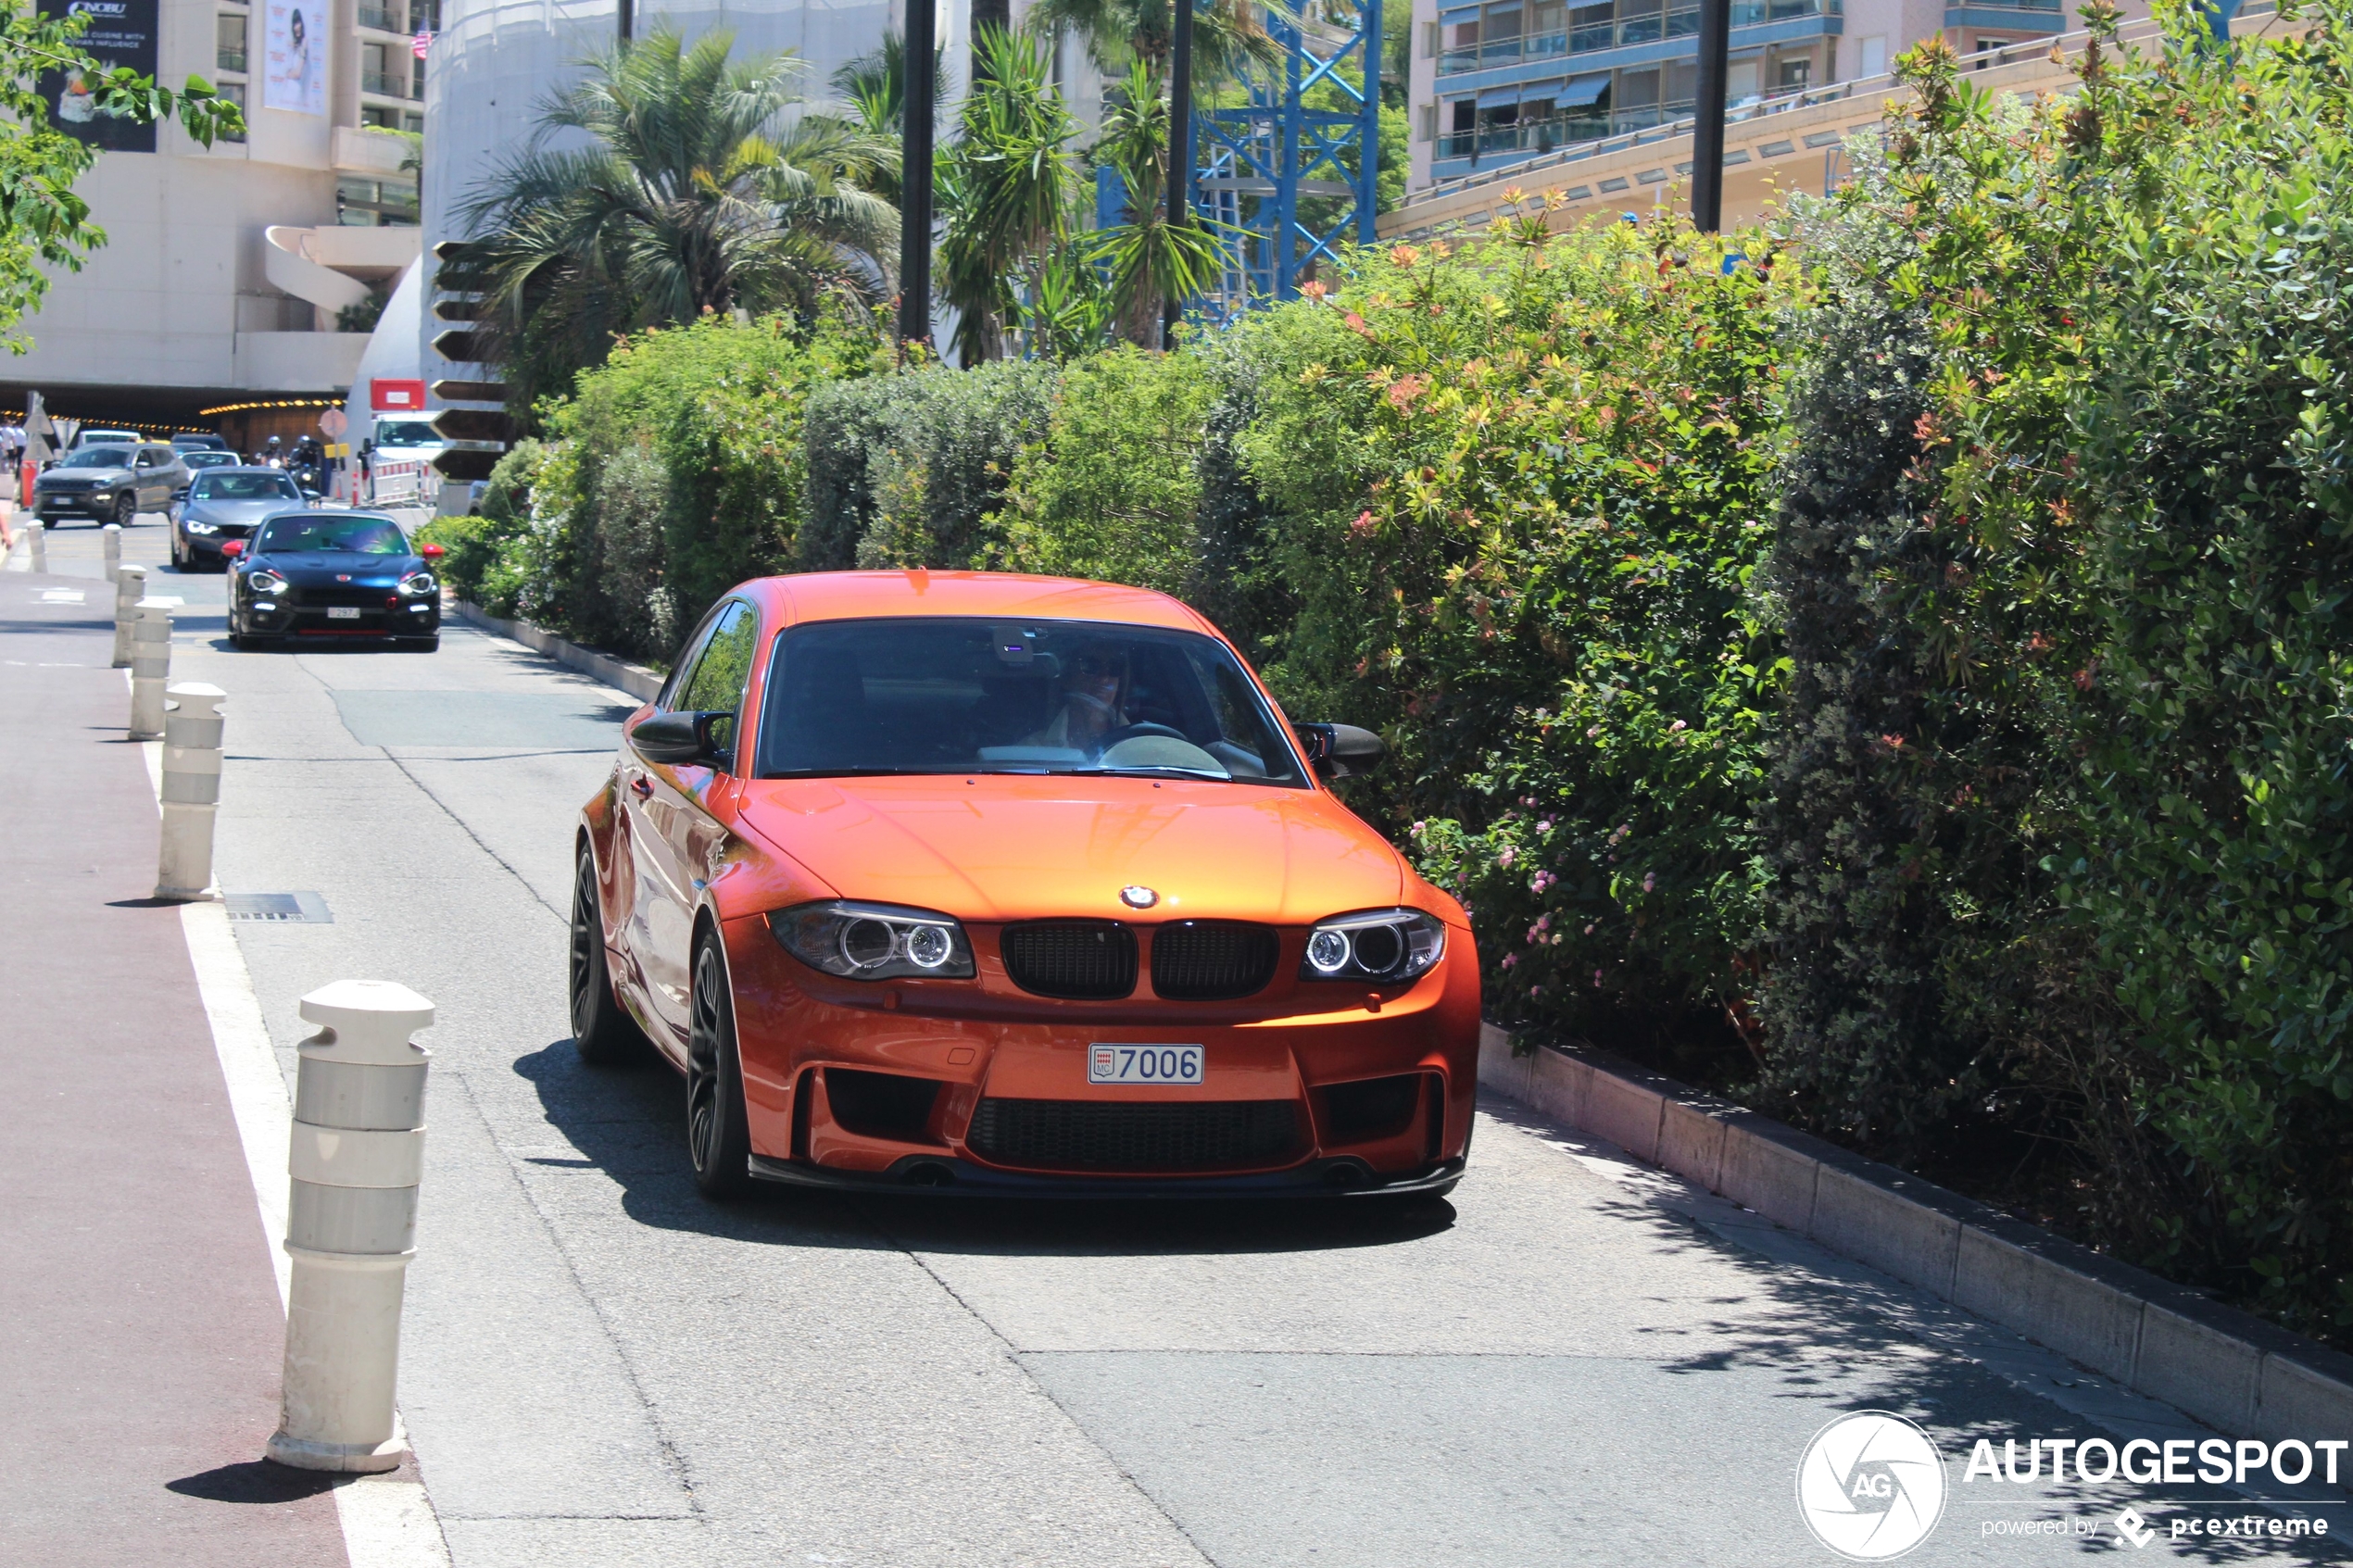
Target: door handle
[{"x": 645, "y": 791}]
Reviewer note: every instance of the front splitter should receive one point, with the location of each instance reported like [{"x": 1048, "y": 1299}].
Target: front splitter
[{"x": 947, "y": 1176}]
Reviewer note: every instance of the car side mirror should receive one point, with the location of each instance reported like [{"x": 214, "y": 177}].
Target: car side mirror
[
  {"x": 230, "y": 550},
  {"x": 431, "y": 552},
  {"x": 1342, "y": 751},
  {"x": 686, "y": 739}
]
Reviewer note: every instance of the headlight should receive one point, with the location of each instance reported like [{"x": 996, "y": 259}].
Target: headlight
[
  {"x": 1389, "y": 946},
  {"x": 264, "y": 581},
  {"x": 419, "y": 582},
  {"x": 874, "y": 941},
  {"x": 201, "y": 527}
]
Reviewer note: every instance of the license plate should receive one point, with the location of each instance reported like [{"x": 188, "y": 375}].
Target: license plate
[
  {"x": 343, "y": 612},
  {"x": 1143, "y": 1064}
]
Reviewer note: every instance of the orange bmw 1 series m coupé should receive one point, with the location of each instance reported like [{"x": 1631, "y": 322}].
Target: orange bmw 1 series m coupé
[{"x": 1014, "y": 885}]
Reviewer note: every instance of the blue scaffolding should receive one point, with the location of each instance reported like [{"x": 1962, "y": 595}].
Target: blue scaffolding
[{"x": 1256, "y": 164}]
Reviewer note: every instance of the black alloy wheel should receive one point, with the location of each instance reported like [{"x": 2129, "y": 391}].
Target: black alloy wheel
[
  {"x": 603, "y": 1031},
  {"x": 126, "y": 510},
  {"x": 718, "y": 1139}
]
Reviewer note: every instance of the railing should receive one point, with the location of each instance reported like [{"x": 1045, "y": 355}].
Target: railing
[
  {"x": 1558, "y": 131},
  {"x": 382, "y": 20},
  {"x": 1621, "y": 32},
  {"x": 229, "y": 59},
  {"x": 389, "y": 86}
]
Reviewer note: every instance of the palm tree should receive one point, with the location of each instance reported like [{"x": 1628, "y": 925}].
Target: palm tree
[
  {"x": 1228, "y": 34},
  {"x": 1150, "y": 259},
  {"x": 875, "y": 87},
  {"x": 1005, "y": 185},
  {"x": 691, "y": 196}
]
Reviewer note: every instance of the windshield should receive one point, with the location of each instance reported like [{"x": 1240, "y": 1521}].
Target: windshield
[
  {"x": 99, "y": 458},
  {"x": 209, "y": 459},
  {"x": 245, "y": 487},
  {"x": 924, "y": 695},
  {"x": 349, "y": 536},
  {"x": 406, "y": 432}
]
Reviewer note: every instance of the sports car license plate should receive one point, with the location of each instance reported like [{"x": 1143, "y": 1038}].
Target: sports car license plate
[
  {"x": 343, "y": 612},
  {"x": 1143, "y": 1064}
]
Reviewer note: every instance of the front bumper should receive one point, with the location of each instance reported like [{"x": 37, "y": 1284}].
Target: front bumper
[
  {"x": 78, "y": 503},
  {"x": 1305, "y": 1091},
  {"x": 294, "y": 615}
]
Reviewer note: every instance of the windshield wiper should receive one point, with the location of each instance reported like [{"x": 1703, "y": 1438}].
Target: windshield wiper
[
  {"x": 857, "y": 773},
  {"x": 1219, "y": 773}
]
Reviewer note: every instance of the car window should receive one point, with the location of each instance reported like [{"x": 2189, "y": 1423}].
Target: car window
[
  {"x": 347, "y": 535},
  {"x": 99, "y": 458},
  {"x": 207, "y": 459},
  {"x": 147, "y": 459},
  {"x": 406, "y": 432},
  {"x": 245, "y": 487},
  {"x": 942, "y": 696},
  {"x": 724, "y": 670}
]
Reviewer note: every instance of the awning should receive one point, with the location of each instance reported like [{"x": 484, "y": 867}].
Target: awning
[
  {"x": 1529, "y": 92},
  {"x": 1584, "y": 89},
  {"x": 1451, "y": 15},
  {"x": 1496, "y": 98}
]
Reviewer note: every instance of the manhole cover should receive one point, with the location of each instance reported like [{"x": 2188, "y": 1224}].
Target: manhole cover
[{"x": 283, "y": 908}]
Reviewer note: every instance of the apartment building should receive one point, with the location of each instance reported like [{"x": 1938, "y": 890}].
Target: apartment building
[
  {"x": 1500, "y": 82},
  {"x": 248, "y": 268}
]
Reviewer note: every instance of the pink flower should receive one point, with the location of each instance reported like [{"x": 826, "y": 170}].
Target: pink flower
[
  {"x": 1536, "y": 990},
  {"x": 1677, "y": 727},
  {"x": 1544, "y": 921},
  {"x": 1650, "y": 882},
  {"x": 1504, "y": 859},
  {"x": 1594, "y": 734},
  {"x": 1511, "y": 961},
  {"x": 1588, "y": 931},
  {"x": 1543, "y": 824},
  {"x": 1597, "y": 980}
]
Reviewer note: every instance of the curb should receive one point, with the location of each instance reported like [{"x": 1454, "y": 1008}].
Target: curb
[
  {"x": 2232, "y": 1371},
  {"x": 619, "y": 673}
]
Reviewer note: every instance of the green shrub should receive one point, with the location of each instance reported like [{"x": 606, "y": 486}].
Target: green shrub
[
  {"x": 1112, "y": 491},
  {"x": 1517, "y": 496},
  {"x": 905, "y": 470}
]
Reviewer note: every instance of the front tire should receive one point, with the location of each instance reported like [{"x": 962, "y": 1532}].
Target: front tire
[
  {"x": 718, "y": 1134},
  {"x": 126, "y": 511},
  {"x": 603, "y": 1031}
]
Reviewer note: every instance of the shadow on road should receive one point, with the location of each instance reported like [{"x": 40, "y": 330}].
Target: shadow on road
[
  {"x": 629, "y": 1122},
  {"x": 255, "y": 1481}
]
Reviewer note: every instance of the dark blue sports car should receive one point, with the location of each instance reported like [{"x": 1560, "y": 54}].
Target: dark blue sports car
[{"x": 332, "y": 574}]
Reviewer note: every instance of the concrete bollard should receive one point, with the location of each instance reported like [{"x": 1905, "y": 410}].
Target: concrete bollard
[
  {"x": 358, "y": 1152},
  {"x": 150, "y": 666},
  {"x": 129, "y": 588},
  {"x": 39, "y": 533},
  {"x": 110, "y": 545},
  {"x": 191, "y": 791}
]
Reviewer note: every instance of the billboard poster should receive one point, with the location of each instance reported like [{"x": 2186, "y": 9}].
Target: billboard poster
[
  {"x": 121, "y": 33},
  {"x": 294, "y": 67}
]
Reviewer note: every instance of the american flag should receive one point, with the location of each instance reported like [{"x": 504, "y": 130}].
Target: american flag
[{"x": 421, "y": 44}]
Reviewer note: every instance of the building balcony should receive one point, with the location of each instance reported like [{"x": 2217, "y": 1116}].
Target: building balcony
[
  {"x": 229, "y": 59},
  {"x": 2009, "y": 16},
  {"x": 383, "y": 20},
  {"x": 384, "y": 86},
  {"x": 1621, "y": 33}
]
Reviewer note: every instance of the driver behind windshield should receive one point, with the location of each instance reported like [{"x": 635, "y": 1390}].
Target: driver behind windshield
[{"x": 1093, "y": 685}]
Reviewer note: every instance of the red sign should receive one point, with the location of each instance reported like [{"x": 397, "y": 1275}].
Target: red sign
[{"x": 389, "y": 396}]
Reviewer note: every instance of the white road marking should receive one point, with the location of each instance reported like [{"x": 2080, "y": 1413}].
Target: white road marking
[{"x": 387, "y": 1523}]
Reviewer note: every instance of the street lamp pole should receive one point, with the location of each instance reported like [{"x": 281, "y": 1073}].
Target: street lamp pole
[
  {"x": 1707, "y": 130},
  {"x": 914, "y": 174},
  {"x": 1180, "y": 149}
]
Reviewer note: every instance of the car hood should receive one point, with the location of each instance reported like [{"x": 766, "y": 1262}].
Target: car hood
[
  {"x": 246, "y": 512},
  {"x": 1003, "y": 847},
  {"x": 107, "y": 476},
  {"x": 307, "y": 567}
]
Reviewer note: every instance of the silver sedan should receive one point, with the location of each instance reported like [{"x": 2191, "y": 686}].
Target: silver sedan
[{"x": 225, "y": 503}]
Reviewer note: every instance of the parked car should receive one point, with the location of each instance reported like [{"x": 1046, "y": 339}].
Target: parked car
[
  {"x": 310, "y": 573},
  {"x": 184, "y": 444},
  {"x": 1000, "y": 884},
  {"x": 225, "y": 503},
  {"x": 108, "y": 483},
  {"x": 196, "y": 460}
]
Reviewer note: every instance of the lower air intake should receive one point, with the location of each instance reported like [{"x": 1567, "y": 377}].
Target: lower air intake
[{"x": 1066, "y": 1135}]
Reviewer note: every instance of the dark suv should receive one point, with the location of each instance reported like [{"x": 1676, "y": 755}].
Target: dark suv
[{"x": 109, "y": 483}]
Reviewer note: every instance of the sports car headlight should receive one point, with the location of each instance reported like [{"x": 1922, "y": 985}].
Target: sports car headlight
[
  {"x": 265, "y": 581},
  {"x": 874, "y": 941},
  {"x": 194, "y": 527},
  {"x": 1389, "y": 946},
  {"x": 417, "y": 584}
]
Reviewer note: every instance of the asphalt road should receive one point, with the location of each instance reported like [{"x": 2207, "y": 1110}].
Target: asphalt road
[{"x": 1571, "y": 1360}]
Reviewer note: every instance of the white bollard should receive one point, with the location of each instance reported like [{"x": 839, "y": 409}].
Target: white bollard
[
  {"x": 191, "y": 791},
  {"x": 150, "y": 666},
  {"x": 39, "y": 531},
  {"x": 358, "y": 1152},
  {"x": 110, "y": 544},
  {"x": 128, "y": 589}
]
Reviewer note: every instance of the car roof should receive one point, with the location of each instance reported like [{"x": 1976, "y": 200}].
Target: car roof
[
  {"x": 243, "y": 468},
  {"x": 857, "y": 596}
]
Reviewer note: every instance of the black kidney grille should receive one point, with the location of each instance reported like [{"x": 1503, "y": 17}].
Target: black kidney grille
[
  {"x": 1200, "y": 960},
  {"x": 1078, "y": 960},
  {"x": 1078, "y": 1135}
]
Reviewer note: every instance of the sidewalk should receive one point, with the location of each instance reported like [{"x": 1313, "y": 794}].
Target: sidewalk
[{"x": 140, "y": 1378}]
